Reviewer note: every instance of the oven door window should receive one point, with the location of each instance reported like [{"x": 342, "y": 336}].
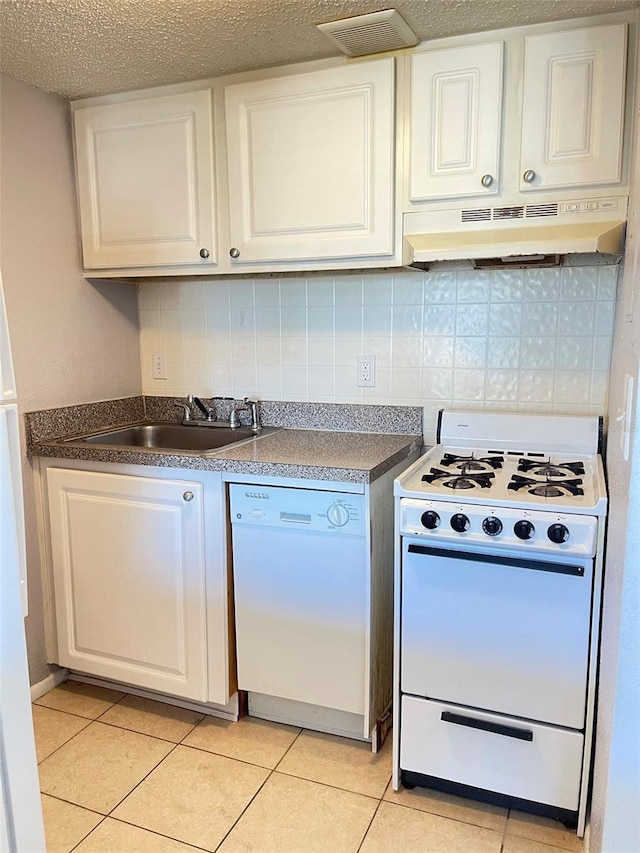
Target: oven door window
[{"x": 501, "y": 633}]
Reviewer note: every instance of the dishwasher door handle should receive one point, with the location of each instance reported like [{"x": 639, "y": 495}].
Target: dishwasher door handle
[{"x": 487, "y": 726}]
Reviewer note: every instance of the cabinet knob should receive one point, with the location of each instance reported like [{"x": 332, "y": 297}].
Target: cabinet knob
[
  {"x": 486, "y": 180},
  {"x": 204, "y": 253},
  {"x": 188, "y": 496},
  {"x": 529, "y": 176},
  {"x": 235, "y": 253}
]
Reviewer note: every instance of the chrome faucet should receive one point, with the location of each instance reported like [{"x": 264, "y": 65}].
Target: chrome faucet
[
  {"x": 249, "y": 406},
  {"x": 206, "y": 411}
]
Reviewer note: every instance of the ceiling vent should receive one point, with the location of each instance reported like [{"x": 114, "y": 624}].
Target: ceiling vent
[{"x": 372, "y": 33}]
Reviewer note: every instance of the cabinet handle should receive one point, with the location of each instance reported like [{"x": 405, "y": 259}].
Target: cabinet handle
[
  {"x": 486, "y": 180},
  {"x": 235, "y": 253},
  {"x": 188, "y": 496},
  {"x": 204, "y": 253},
  {"x": 487, "y": 726},
  {"x": 529, "y": 176}
]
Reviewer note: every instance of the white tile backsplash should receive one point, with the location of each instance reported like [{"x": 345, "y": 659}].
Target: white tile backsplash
[{"x": 529, "y": 340}]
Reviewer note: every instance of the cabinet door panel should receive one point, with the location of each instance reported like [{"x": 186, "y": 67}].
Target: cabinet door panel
[
  {"x": 129, "y": 579},
  {"x": 311, "y": 164},
  {"x": 573, "y": 107},
  {"x": 456, "y": 105},
  {"x": 145, "y": 181}
]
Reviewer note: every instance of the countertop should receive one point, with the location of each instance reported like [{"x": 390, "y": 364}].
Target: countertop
[{"x": 339, "y": 456}]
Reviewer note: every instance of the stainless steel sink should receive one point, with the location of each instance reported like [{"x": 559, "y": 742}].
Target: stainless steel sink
[{"x": 173, "y": 436}]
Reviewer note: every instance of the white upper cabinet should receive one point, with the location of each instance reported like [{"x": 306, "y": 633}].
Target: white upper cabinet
[
  {"x": 146, "y": 181},
  {"x": 573, "y": 108},
  {"x": 456, "y": 107},
  {"x": 311, "y": 165}
]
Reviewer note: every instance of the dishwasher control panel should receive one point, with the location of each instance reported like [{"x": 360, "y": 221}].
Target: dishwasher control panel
[{"x": 275, "y": 506}]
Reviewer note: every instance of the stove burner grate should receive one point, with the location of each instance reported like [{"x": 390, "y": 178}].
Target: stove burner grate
[
  {"x": 548, "y": 488},
  {"x": 466, "y": 480},
  {"x": 547, "y": 468},
  {"x": 472, "y": 463}
]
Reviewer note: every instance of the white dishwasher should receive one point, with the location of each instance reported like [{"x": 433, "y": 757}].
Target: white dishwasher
[{"x": 301, "y": 599}]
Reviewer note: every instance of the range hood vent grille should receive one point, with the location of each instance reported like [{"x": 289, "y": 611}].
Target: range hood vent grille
[
  {"x": 372, "y": 33},
  {"x": 529, "y": 211},
  {"x": 534, "y": 210},
  {"x": 480, "y": 214},
  {"x": 508, "y": 212}
]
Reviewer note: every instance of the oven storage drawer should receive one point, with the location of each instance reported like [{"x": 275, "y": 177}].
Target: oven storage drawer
[{"x": 510, "y": 756}]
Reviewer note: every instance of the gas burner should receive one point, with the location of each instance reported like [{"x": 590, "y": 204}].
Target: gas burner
[
  {"x": 547, "y": 468},
  {"x": 548, "y": 489},
  {"x": 468, "y": 480},
  {"x": 471, "y": 463}
]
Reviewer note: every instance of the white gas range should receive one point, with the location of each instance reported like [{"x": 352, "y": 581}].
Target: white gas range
[{"x": 500, "y": 531}]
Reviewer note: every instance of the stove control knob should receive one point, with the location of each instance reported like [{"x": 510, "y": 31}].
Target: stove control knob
[
  {"x": 558, "y": 533},
  {"x": 492, "y": 525},
  {"x": 524, "y": 529},
  {"x": 430, "y": 519},
  {"x": 459, "y": 522}
]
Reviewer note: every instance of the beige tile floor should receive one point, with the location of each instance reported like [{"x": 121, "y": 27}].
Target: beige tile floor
[{"x": 121, "y": 774}]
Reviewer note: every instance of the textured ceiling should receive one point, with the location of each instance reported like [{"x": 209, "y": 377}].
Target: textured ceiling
[{"x": 91, "y": 47}]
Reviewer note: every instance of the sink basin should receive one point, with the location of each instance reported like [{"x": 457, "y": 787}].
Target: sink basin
[{"x": 173, "y": 436}]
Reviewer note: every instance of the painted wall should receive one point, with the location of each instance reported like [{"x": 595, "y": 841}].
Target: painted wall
[
  {"x": 537, "y": 340},
  {"x": 615, "y": 816},
  {"x": 72, "y": 341}
]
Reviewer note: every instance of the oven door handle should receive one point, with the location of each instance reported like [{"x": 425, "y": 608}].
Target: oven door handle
[
  {"x": 486, "y": 726},
  {"x": 495, "y": 559}
]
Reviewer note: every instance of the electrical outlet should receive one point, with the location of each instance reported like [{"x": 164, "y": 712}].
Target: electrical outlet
[
  {"x": 159, "y": 365},
  {"x": 366, "y": 371}
]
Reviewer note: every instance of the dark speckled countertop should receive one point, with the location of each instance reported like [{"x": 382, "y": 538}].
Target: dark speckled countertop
[{"x": 315, "y": 454}]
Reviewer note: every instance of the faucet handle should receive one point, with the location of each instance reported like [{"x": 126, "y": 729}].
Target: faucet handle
[
  {"x": 186, "y": 410},
  {"x": 252, "y": 405}
]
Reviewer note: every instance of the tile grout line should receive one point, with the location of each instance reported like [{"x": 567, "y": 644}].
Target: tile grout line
[
  {"x": 269, "y": 775},
  {"x": 58, "y": 748},
  {"x": 373, "y": 817},
  {"x": 128, "y": 823},
  {"x": 84, "y": 837}
]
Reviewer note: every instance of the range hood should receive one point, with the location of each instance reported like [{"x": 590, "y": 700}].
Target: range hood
[{"x": 511, "y": 232}]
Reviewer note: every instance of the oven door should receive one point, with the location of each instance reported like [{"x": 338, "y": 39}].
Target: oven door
[{"x": 504, "y": 633}]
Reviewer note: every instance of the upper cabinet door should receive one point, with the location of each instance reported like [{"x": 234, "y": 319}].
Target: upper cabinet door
[
  {"x": 145, "y": 181},
  {"x": 311, "y": 164},
  {"x": 456, "y": 106},
  {"x": 573, "y": 108}
]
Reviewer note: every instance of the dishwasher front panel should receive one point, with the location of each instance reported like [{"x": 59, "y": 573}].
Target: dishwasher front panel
[{"x": 300, "y": 579}]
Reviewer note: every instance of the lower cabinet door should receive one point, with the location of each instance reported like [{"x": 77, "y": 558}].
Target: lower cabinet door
[
  {"x": 503, "y": 754},
  {"x": 128, "y": 564}
]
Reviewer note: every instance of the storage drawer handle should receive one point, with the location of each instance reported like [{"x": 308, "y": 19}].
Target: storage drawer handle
[{"x": 485, "y": 725}]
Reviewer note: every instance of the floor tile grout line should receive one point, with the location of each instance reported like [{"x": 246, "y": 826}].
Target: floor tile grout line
[
  {"x": 334, "y": 787},
  {"x": 69, "y": 713},
  {"x": 70, "y": 803},
  {"x": 39, "y": 763},
  {"x": 373, "y": 817},
  {"x": 146, "y": 776},
  {"x": 156, "y": 832},
  {"x": 287, "y": 750},
  {"x": 447, "y": 817},
  {"x": 84, "y": 837},
  {"x": 242, "y": 813}
]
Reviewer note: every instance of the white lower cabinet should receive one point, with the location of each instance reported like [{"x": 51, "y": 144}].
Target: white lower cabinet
[
  {"x": 490, "y": 751},
  {"x": 130, "y": 562}
]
